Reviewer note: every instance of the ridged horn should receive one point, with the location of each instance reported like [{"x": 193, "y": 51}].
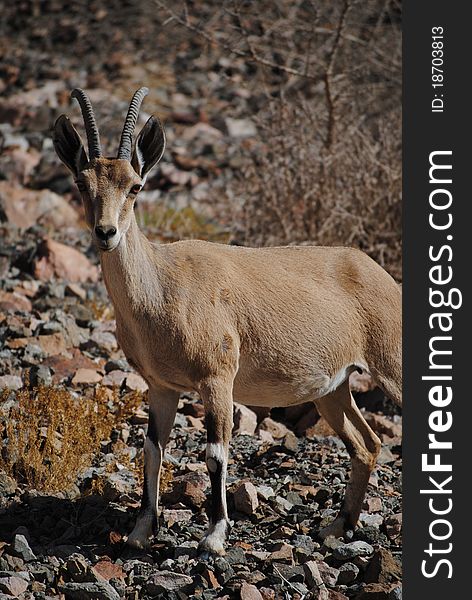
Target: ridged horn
[
  {"x": 91, "y": 129},
  {"x": 126, "y": 141}
]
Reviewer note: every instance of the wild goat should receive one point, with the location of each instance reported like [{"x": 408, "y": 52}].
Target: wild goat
[{"x": 262, "y": 326}]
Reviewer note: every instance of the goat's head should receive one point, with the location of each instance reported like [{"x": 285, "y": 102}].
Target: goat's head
[{"x": 109, "y": 186}]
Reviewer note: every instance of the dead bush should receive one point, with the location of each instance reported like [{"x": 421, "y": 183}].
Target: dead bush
[
  {"x": 295, "y": 189},
  {"x": 50, "y": 436}
]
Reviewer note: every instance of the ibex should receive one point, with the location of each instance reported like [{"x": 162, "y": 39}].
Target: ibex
[{"x": 261, "y": 326}]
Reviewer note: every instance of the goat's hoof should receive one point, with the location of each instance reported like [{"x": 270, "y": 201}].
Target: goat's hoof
[
  {"x": 213, "y": 541},
  {"x": 139, "y": 539},
  {"x": 137, "y": 543},
  {"x": 209, "y": 547}
]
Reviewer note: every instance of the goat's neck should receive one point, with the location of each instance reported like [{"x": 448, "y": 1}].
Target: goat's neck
[{"x": 131, "y": 273}]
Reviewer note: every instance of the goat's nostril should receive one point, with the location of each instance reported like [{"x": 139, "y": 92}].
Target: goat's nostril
[{"x": 104, "y": 233}]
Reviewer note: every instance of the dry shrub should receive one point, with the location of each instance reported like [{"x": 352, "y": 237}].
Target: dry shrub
[
  {"x": 324, "y": 79},
  {"x": 51, "y": 437},
  {"x": 296, "y": 189},
  {"x": 172, "y": 224}
]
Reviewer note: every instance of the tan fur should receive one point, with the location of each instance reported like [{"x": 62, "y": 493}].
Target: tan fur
[{"x": 262, "y": 326}]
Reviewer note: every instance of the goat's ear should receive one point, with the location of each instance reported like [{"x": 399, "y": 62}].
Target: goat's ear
[
  {"x": 149, "y": 148},
  {"x": 68, "y": 145}
]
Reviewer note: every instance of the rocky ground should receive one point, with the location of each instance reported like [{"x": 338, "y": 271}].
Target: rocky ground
[
  {"x": 73, "y": 414},
  {"x": 286, "y": 475}
]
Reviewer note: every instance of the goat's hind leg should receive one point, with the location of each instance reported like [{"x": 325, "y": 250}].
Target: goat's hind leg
[
  {"x": 218, "y": 403},
  {"x": 162, "y": 408},
  {"x": 341, "y": 412}
]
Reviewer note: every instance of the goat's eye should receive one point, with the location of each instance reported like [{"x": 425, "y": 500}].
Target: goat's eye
[{"x": 135, "y": 189}]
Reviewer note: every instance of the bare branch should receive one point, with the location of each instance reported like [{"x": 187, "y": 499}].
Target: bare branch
[
  {"x": 252, "y": 55},
  {"x": 330, "y": 102}
]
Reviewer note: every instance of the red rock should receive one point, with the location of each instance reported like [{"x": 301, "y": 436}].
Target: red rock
[
  {"x": 64, "y": 368},
  {"x": 24, "y": 208},
  {"x": 210, "y": 576},
  {"x": 250, "y": 592},
  {"x": 373, "y": 504},
  {"x": 383, "y": 568},
  {"x": 393, "y": 525},
  {"x": 58, "y": 260},
  {"x": 244, "y": 420},
  {"x": 172, "y": 516},
  {"x": 383, "y": 425},
  {"x": 245, "y": 498},
  {"x": 19, "y": 162},
  {"x": 283, "y": 553},
  {"x": 114, "y": 378},
  {"x": 106, "y": 570},
  {"x": 52, "y": 344},
  {"x": 277, "y": 430},
  {"x": 13, "y": 586},
  {"x": 321, "y": 428},
  {"x": 313, "y": 577},
  {"x": 188, "y": 489},
  {"x": 265, "y": 437},
  {"x": 135, "y": 382},
  {"x": 86, "y": 376},
  {"x": 14, "y": 301},
  {"x": 328, "y": 574},
  {"x": 361, "y": 382},
  {"x": 290, "y": 442}
]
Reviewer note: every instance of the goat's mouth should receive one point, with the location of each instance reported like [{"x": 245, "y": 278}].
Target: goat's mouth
[{"x": 107, "y": 246}]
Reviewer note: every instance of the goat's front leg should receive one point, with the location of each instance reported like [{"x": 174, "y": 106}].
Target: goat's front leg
[
  {"x": 162, "y": 408},
  {"x": 218, "y": 403}
]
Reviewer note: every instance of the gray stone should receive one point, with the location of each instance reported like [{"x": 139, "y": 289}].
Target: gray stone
[
  {"x": 351, "y": 550},
  {"x": 13, "y": 585},
  {"x": 328, "y": 574},
  {"x": 305, "y": 542},
  {"x": 119, "y": 364},
  {"x": 347, "y": 573},
  {"x": 98, "y": 590},
  {"x": 314, "y": 580},
  {"x": 167, "y": 581},
  {"x": 265, "y": 491},
  {"x": 236, "y": 556},
  {"x": 77, "y": 568},
  {"x": 22, "y": 549}
]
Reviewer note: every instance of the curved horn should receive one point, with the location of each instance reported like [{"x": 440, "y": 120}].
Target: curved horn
[
  {"x": 126, "y": 141},
  {"x": 93, "y": 137}
]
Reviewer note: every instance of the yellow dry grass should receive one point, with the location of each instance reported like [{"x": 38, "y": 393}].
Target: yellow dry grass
[{"x": 51, "y": 436}]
